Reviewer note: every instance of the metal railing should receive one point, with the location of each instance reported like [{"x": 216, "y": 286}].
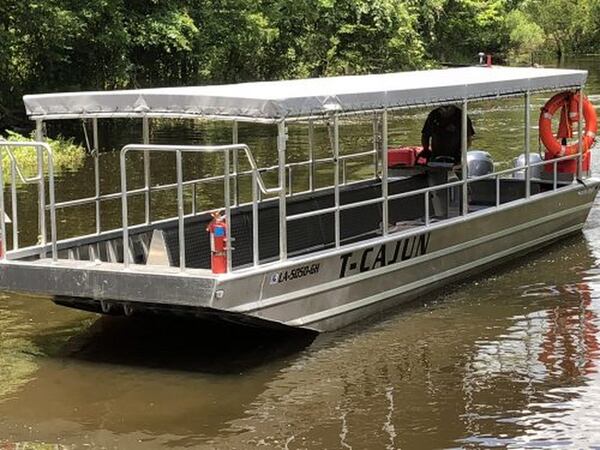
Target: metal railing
[
  {"x": 285, "y": 172},
  {"x": 98, "y": 198},
  {"x": 234, "y": 175},
  {"x": 257, "y": 183},
  {"x": 464, "y": 182},
  {"x": 39, "y": 179},
  {"x": 431, "y": 189}
]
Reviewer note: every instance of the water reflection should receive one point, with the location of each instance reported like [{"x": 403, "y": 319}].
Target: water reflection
[
  {"x": 468, "y": 370},
  {"x": 509, "y": 359},
  {"x": 529, "y": 366},
  {"x": 183, "y": 344},
  {"x": 138, "y": 381},
  {"x": 17, "y": 353}
]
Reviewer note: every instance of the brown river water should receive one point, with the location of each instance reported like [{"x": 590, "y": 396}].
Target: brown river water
[{"x": 509, "y": 359}]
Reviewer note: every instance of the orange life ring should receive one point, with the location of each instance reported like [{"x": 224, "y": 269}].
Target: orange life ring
[{"x": 569, "y": 102}]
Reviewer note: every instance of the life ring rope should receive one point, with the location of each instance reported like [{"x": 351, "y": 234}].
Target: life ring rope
[{"x": 568, "y": 103}]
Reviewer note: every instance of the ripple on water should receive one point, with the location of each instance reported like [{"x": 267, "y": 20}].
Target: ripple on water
[
  {"x": 18, "y": 354},
  {"x": 506, "y": 360}
]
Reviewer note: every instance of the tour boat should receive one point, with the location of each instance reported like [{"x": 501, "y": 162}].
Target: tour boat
[{"x": 318, "y": 258}]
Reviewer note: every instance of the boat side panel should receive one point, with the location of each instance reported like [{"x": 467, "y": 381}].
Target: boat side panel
[
  {"x": 306, "y": 295},
  {"x": 373, "y": 308},
  {"x": 329, "y": 292},
  {"x": 402, "y": 283}
]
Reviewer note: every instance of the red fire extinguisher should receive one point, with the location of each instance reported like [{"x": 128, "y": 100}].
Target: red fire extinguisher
[{"x": 217, "y": 229}]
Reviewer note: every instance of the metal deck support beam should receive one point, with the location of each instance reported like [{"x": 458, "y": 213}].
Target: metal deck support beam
[
  {"x": 146, "y": 141},
  {"x": 96, "y": 172},
  {"x": 39, "y": 136},
  {"x": 464, "y": 162},
  {"x": 527, "y": 144},
  {"x": 235, "y": 140},
  {"x": 384, "y": 173},
  {"x": 580, "y": 136},
  {"x": 336, "y": 179},
  {"x": 281, "y": 156}
]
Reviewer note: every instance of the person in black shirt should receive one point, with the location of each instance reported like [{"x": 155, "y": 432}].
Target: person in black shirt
[{"x": 441, "y": 135}]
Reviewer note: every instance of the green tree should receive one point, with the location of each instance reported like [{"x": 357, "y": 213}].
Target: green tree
[
  {"x": 233, "y": 40},
  {"x": 162, "y": 36},
  {"x": 50, "y": 45},
  {"x": 326, "y": 37},
  {"x": 526, "y": 36},
  {"x": 100, "y": 45},
  {"x": 457, "y": 30},
  {"x": 558, "y": 19},
  {"x": 35, "y": 47}
]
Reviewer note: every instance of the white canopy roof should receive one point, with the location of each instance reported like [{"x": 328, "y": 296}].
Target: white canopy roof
[{"x": 275, "y": 100}]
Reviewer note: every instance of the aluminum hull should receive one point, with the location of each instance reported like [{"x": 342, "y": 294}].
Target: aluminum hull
[{"x": 326, "y": 290}]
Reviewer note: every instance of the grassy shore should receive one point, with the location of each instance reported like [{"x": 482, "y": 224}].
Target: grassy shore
[{"x": 67, "y": 155}]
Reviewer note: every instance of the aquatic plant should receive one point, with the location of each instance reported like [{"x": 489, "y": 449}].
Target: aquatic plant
[{"x": 67, "y": 155}]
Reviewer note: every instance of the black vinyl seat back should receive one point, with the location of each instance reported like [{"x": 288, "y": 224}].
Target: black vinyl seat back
[{"x": 304, "y": 235}]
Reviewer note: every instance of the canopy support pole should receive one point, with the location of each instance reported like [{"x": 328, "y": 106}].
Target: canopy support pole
[
  {"x": 96, "y": 144},
  {"x": 384, "y": 173},
  {"x": 181, "y": 211},
  {"x": 281, "y": 152},
  {"x": 527, "y": 144},
  {"x": 336, "y": 180},
  {"x": 376, "y": 145},
  {"x": 311, "y": 156},
  {"x": 580, "y": 136},
  {"x": 464, "y": 162},
  {"x": 39, "y": 136},
  {"x": 235, "y": 140},
  {"x": 146, "y": 141}
]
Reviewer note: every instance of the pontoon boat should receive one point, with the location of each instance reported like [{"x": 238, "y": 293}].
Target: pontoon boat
[{"x": 320, "y": 257}]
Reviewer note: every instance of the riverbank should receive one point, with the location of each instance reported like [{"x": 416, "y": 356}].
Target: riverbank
[{"x": 67, "y": 156}]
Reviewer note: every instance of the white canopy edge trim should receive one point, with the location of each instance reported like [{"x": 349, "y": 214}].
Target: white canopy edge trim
[{"x": 278, "y": 100}]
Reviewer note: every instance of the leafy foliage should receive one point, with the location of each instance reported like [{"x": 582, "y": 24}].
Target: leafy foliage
[
  {"x": 526, "y": 36},
  {"x": 50, "y": 45},
  {"x": 457, "y": 30},
  {"x": 66, "y": 155}
]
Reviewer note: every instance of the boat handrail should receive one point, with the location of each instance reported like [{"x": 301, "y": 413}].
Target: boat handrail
[
  {"x": 13, "y": 161},
  {"x": 42, "y": 248},
  {"x": 430, "y": 189},
  {"x": 257, "y": 181},
  {"x": 206, "y": 149},
  {"x": 167, "y": 186},
  {"x": 39, "y": 179},
  {"x": 285, "y": 180}
]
